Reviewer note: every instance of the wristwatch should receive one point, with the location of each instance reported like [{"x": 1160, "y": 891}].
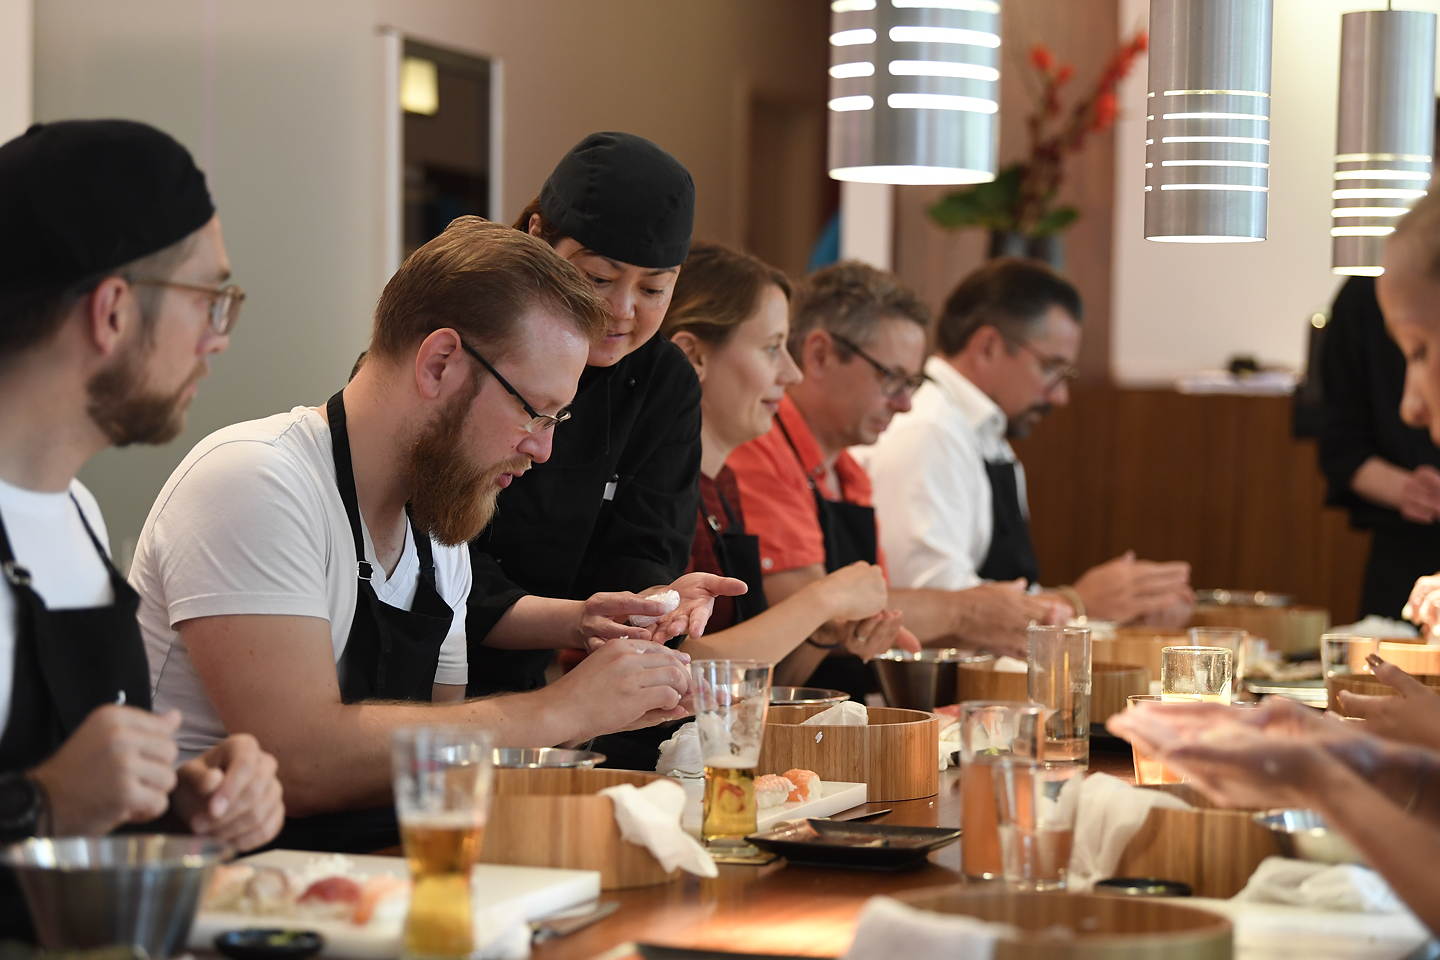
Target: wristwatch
[{"x": 24, "y": 807}]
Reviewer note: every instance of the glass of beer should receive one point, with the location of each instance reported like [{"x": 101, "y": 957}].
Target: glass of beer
[
  {"x": 1204, "y": 672},
  {"x": 731, "y": 699},
  {"x": 1059, "y": 678},
  {"x": 1035, "y": 803},
  {"x": 1149, "y": 770},
  {"x": 442, "y": 796},
  {"x": 990, "y": 730}
]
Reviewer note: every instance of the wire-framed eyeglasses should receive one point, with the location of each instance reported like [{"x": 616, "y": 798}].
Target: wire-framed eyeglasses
[{"x": 539, "y": 422}]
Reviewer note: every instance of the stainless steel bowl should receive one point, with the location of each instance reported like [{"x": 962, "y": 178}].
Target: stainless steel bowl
[
  {"x": 1241, "y": 598},
  {"x": 924, "y": 680},
  {"x": 1304, "y": 835},
  {"x": 533, "y": 758},
  {"x": 805, "y": 696},
  {"x": 137, "y": 890}
]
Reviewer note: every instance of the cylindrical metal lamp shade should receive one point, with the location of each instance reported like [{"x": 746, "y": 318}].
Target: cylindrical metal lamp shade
[
  {"x": 914, "y": 89},
  {"x": 1207, "y": 129},
  {"x": 1386, "y": 135}
]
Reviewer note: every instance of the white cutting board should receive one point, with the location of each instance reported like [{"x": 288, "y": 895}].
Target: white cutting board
[
  {"x": 834, "y": 797},
  {"x": 510, "y": 892}
]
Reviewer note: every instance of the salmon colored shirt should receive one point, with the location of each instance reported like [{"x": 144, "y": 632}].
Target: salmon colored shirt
[{"x": 776, "y": 499}]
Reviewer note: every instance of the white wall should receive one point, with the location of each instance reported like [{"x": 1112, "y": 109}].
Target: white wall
[
  {"x": 16, "y": 40},
  {"x": 1182, "y": 307}
]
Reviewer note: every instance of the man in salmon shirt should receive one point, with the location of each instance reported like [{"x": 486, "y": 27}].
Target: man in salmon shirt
[{"x": 859, "y": 336}]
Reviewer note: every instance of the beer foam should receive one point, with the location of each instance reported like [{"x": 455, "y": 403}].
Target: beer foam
[{"x": 443, "y": 820}]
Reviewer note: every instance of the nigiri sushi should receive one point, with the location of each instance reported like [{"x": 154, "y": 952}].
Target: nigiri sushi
[
  {"x": 807, "y": 785},
  {"x": 771, "y": 791}
]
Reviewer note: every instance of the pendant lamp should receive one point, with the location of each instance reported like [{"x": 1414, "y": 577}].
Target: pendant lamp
[
  {"x": 914, "y": 90},
  {"x": 1207, "y": 124},
  {"x": 1386, "y": 134}
]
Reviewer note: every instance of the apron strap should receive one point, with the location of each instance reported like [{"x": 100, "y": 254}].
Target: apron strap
[
  {"x": 345, "y": 480},
  {"x": 17, "y": 575}
]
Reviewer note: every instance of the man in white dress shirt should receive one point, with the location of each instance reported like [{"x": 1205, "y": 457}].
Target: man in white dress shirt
[{"x": 949, "y": 491}]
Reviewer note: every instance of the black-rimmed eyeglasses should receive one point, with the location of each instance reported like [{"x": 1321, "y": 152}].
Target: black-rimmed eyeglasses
[
  {"x": 894, "y": 382},
  {"x": 539, "y": 422}
]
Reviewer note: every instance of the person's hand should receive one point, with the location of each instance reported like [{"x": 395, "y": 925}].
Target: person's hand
[
  {"x": 603, "y": 617},
  {"x": 874, "y": 635},
  {"x": 1423, "y": 607},
  {"x": 231, "y": 792},
  {"x": 1174, "y": 612},
  {"x": 995, "y": 616},
  {"x": 1126, "y": 589},
  {"x": 854, "y": 592},
  {"x": 1239, "y": 766},
  {"x": 1420, "y": 496},
  {"x": 118, "y": 767},
  {"x": 625, "y": 684},
  {"x": 1411, "y": 716},
  {"x": 697, "y": 601}
]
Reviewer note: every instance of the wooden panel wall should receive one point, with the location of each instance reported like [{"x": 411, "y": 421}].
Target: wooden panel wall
[{"x": 1215, "y": 480}]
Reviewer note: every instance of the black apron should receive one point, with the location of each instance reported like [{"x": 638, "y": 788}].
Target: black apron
[
  {"x": 739, "y": 557},
  {"x": 1012, "y": 553},
  {"x": 849, "y": 533},
  {"x": 67, "y": 663},
  {"x": 390, "y": 654}
]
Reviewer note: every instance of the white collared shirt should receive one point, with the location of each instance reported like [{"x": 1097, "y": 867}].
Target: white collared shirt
[{"x": 932, "y": 494}]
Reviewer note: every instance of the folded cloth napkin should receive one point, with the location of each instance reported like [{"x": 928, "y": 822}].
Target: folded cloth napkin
[
  {"x": 1344, "y": 887},
  {"x": 1011, "y": 665},
  {"x": 847, "y": 713},
  {"x": 502, "y": 934},
  {"x": 649, "y": 816},
  {"x": 889, "y": 928},
  {"x": 1110, "y": 813},
  {"x": 680, "y": 756}
]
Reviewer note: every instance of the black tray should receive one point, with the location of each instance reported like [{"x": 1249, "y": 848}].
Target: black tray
[{"x": 868, "y": 846}]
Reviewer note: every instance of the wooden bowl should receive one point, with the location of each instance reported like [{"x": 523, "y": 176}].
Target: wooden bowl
[
  {"x": 1138, "y": 646},
  {"x": 1285, "y": 629},
  {"x": 1100, "y": 927},
  {"x": 1214, "y": 850},
  {"x": 555, "y": 818},
  {"x": 1110, "y": 684},
  {"x": 897, "y": 754},
  {"x": 1368, "y": 685}
]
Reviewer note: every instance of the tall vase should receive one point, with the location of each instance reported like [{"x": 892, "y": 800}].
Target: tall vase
[{"x": 1011, "y": 243}]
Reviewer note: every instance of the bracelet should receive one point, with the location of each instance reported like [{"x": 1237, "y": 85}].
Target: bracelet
[
  {"x": 824, "y": 646},
  {"x": 1072, "y": 596}
]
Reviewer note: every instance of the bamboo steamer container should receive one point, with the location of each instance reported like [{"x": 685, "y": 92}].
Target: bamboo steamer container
[
  {"x": 1368, "y": 685},
  {"x": 554, "y": 817},
  {"x": 1099, "y": 927},
  {"x": 1138, "y": 646},
  {"x": 897, "y": 755},
  {"x": 1110, "y": 684},
  {"x": 1212, "y": 849},
  {"x": 1285, "y": 629}
]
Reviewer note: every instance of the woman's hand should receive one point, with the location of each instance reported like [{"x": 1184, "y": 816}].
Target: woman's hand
[
  {"x": 1411, "y": 716},
  {"x": 697, "y": 601}
]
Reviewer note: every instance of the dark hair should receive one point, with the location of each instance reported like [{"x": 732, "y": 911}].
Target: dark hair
[
  {"x": 1009, "y": 294},
  {"x": 480, "y": 278},
  {"x": 34, "y": 316},
  {"x": 717, "y": 290},
  {"x": 549, "y": 234},
  {"x": 850, "y": 298}
]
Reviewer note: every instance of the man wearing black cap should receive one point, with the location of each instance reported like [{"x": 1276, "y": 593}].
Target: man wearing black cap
[
  {"x": 114, "y": 295},
  {"x": 614, "y": 509}
]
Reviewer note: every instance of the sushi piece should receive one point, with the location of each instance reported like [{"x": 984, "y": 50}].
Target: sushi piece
[
  {"x": 771, "y": 791},
  {"x": 807, "y": 785}
]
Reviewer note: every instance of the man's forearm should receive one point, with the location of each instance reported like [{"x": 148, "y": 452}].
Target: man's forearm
[
  {"x": 929, "y": 614},
  {"x": 538, "y": 623}
]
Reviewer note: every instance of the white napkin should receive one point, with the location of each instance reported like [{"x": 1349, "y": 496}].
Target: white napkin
[
  {"x": 1011, "y": 665},
  {"x": 671, "y": 599},
  {"x": 1345, "y": 887},
  {"x": 1111, "y": 811},
  {"x": 649, "y": 816},
  {"x": 949, "y": 741},
  {"x": 889, "y": 928},
  {"x": 503, "y": 935},
  {"x": 847, "y": 713},
  {"x": 680, "y": 756}
]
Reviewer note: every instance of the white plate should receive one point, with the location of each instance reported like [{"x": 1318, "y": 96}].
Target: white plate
[
  {"x": 527, "y": 892},
  {"x": 834, "y": 797}
]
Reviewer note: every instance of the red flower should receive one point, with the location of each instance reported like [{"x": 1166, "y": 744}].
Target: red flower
[
  {"x": 1106, "y": 109},
  {"x": 1063, "y": 77},
  {"x": 1142, "y": 42},
  {"x": 1041, "y": 57}
]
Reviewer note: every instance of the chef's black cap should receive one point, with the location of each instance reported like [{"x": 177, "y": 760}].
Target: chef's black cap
[
  {"x": 80, "y": 197},
  {"x": 624, "y": 198}
]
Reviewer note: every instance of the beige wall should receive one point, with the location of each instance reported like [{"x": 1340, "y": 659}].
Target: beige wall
[
  {"x": 281, "y": 102},
  {"x": 16, "y": 35}
]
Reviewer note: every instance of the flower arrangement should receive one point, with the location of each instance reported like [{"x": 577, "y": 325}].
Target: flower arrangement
[{"x": 1021, "y": 198}]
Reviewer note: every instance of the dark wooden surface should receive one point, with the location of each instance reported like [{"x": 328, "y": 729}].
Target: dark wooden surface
[
  {"x": 782, "y": 909},
  {"x": 1215, "y": 480}
]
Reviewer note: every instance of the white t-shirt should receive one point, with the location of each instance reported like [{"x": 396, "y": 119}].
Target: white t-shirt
[
  {"x": 50, "y": 541},
  {"x": 251, "y": 522},
  {"x": 932, "y": 493}
]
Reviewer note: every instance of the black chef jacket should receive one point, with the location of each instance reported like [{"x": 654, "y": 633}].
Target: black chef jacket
[
  {"x": 613, "y": 509},
  {"x": 1362, "y": 376}
]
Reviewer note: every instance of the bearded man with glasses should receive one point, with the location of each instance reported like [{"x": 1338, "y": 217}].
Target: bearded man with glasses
[
  {"x": 859, "y": 338},
  {"x": 949, "y": 490}
]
